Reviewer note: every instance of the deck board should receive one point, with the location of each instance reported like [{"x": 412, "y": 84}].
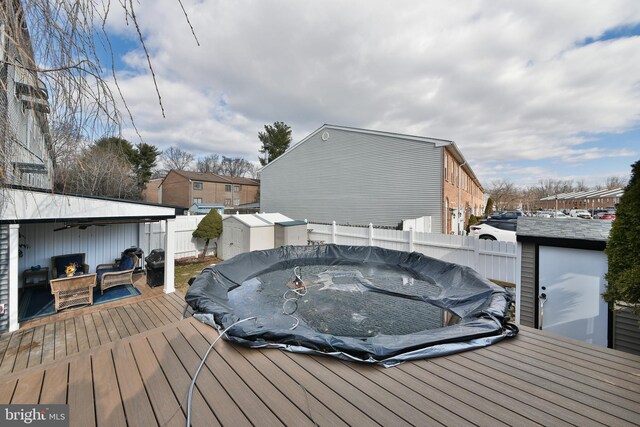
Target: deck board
[
  {"x": 137, "y": 407},
  {"x": 80, "y": 392},
  {"x": 165, "y": 404},
  {"x": 92, "y": 327},
  {"x": 54, "y": 386},
  {"x": 179, "y": 379},
  {"x": 22, "y": 355},
  {"x": 92, "y": 333},
  {"x": 70, "y": 336},
  {"x": 35, "y": 352},
  {"x": 215, "y": 395},
  {"x": 143, "y": 380},
  {"x": 109, "y": 409}
]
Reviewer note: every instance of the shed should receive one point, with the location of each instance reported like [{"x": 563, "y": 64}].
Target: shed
[
  {"x": 290, "y": 233},
  {"x": 562, "y": 277},
  {"x": 248, "y": 232}
]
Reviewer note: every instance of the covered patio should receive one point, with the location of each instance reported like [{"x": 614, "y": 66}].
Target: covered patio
[{"x": 36, "y": 225}]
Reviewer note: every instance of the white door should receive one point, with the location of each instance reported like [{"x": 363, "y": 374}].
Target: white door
[
  {"x": 234, "y": 240},
  {"x": 571, "y": 283}
]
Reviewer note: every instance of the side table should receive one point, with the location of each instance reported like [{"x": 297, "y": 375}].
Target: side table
[{"x": 38, "y": 277}]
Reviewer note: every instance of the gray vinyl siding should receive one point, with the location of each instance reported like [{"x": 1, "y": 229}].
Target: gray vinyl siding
[
  {"x": 356, "y": 178},
  {"x": 528, "y": 303},
  {"x": 626, "y": 331},
  {"x": 4, "y": 275}
]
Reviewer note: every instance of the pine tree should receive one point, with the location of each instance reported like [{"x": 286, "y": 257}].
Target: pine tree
[
  {"x": 275, "y": 141},
  {"x": 623, "y": 247},
  {"x": 209, "y": 228}
]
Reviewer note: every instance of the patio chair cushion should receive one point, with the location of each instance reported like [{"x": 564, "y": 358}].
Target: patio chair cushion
[
  {"x": 101, "y": 271},
  {"x": 126, "y": 263},
  {"x": 63, "y": 261}
]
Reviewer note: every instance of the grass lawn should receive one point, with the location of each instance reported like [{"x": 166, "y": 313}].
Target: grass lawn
[{"x": 187, "y": 268}]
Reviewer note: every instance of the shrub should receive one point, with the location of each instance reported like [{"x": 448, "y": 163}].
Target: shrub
[
  {"x": 209, "y": 228},
  {"x": 623, "y": 247},
  {"x": 472, "y": 221}
]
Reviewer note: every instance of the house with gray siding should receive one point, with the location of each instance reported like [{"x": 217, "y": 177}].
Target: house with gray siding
[{"x": 359, "y": 176}]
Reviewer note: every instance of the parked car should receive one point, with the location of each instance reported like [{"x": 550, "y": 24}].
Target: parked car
[
  {"x": 492, "y": 229},
  {"x": 605, "y": 215},
  {"x": 507, "y": 215},
  {"x": 580, "y": 213}
]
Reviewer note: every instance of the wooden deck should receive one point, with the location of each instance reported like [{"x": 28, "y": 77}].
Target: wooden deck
[
  {"x": 142, "y": 380},
  {"x": 72, "y": 331}
]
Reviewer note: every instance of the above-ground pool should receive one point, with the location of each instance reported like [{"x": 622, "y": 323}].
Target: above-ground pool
[{"x": 357, "y": 303}]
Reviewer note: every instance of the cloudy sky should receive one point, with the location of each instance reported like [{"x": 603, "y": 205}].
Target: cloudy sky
[{"x": 527, "y": 89}]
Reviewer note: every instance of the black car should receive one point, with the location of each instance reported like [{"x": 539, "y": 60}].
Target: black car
[{"x": 507, "y": 215}]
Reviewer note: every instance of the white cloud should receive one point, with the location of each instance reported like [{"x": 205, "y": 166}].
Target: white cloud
[{"x": 506, "y": 80}]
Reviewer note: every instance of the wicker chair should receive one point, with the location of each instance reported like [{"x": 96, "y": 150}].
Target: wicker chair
[
  {"x": 60, "y": 262},
  {"x": 110, "y": 275}
]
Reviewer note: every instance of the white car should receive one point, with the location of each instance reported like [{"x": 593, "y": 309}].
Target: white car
[
  {"x": 502, "y": 230},
  {"x": 580, "y": 213}
]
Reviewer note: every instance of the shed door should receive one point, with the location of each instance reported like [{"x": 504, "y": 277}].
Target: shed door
[
  {"x": 572, "y": 280},
  {"x": 235, "y": 241}
]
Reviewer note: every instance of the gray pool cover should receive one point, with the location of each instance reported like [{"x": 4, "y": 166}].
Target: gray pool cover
[{"x": 356, "y": 303}]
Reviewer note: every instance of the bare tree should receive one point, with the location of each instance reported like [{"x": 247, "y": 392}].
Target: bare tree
[
  {"x": 615, "y": 182},
  {"x": 176, "y": 158},
  {"x": 549, "y": 187},
  {"x": 505, "y": 194},
  {"x": 209, "y": 164},
  {"x": 102, "y": 171},
  {"x": 235, "y": 166},
  {"x": 62, "y": 54}
]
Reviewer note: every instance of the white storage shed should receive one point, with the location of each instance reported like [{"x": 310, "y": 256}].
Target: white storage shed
[{"x": 248, "y": 232}]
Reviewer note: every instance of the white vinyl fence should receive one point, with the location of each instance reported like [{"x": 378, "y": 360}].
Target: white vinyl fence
[
  {"x": 152, "y": 236},
  {"x": 492, "y": 259}
]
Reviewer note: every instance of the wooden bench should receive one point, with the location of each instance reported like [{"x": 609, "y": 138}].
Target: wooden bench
[{"x": 74, "y": 290}]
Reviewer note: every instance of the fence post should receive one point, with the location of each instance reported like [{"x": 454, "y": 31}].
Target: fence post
[
  {"x": 334, "y": 231},
  {"x": 411, "y": 239},
  {"x": 370, "y": 234},
  {"x": 476, "y": 254}
]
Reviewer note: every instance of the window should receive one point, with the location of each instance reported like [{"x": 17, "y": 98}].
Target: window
[
  {"x": 236, "y": 188},
  {"x": 197, "y": 186},
  {"x": 197, "y": 200},
  {"x": 227, "y": 202},
  {"x": 227, "y": 188},
  {"x": 453, "y": 172},
  {"x": 446, "y": 167},
  {"x": 236, "y": 202}
]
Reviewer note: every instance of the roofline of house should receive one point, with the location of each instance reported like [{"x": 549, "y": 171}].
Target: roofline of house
[
  {"x": 573, "y": 243},
  {"x": 436, "y": 141},
  {"x": 224, "y": 179}
]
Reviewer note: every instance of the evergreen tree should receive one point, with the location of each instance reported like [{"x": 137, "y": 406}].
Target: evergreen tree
[
  {"x": 145, "y": 160},
  {"x": 623, "y": 247},
  {"x": 275, "y": 141},
  {"x": 209, "y": 228},
  {"x": 489, "y": 209}
]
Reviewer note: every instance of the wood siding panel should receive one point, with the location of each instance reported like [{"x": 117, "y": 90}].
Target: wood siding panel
[
  {"x": 528, "y": 303},
  {"x": 626, "y": 331},
  {"x": 356, "y": 178}
]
